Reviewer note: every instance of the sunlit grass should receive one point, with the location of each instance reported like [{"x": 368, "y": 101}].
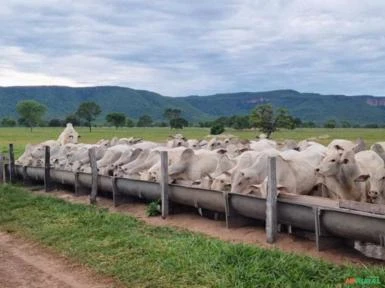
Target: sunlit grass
[
  {"x": 140, "y": 255},
  {"x": 21, "y": 136}
]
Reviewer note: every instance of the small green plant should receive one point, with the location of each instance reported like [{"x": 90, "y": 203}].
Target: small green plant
[
  {"x": 217, "y": 129},
  {"x": 153, "y": 209}
]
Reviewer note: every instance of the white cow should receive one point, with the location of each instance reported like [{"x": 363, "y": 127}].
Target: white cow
[
  {"x": 193, "y": 165},
  {"x": 294, "y": 175},
  {"x": 340, "y": 173},
  {"x": 69, "y": 135}
]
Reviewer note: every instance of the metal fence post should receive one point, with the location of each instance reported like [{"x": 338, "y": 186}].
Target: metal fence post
[
  {"x": 271, "y": 202},
  {"x": 164, "y": 183},
  {"x": 94, "y": 173}
]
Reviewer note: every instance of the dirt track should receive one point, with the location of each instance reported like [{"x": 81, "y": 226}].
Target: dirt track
[{"x": 26, "y": 265}]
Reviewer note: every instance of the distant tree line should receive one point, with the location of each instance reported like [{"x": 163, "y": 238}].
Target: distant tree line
[
  {"x": 264, "y": 117},
  {"x": 32, "y": 112}
]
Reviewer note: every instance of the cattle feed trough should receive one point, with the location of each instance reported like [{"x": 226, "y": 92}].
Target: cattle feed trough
[{"x": 327, "y": 219}]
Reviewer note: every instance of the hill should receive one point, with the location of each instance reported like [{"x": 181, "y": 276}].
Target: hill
[{"x": 62, "y": 101}]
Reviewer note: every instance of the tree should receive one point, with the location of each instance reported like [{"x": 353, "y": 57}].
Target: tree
[
  {"x": 263, "y": 116},
  {"x": 217, "y": 129},
  {"x": 240, "y": 122},
  {"x": 55, "y": 123},
  {"x": 330, "y": 124},
  {"x": 346, "y": 124},
  {"x": 31, "y": 112},
  {"x": 174, "y": 118},
  {"x": 88, "y": 111},
  {"x": 144, "y": 121},
  {"x": 117, "y": 119},
  {"x": 129, "y": 122},
  {"x": 72, "y": 118},
  {"x": 7, "y": 122},
  {"x": 170, "y": 113},
  {"x": 309, "y": 124},
  {"x": 178, "y": 123},
  {"x": 284, "y": 120}
]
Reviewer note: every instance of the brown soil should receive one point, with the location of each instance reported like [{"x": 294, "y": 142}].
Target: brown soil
[
  {"x": 251, "y": 235},
  {"x": 26, "y": 264}
]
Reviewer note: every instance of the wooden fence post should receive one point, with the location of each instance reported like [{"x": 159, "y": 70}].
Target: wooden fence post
[
  {"x": 1, "y": 168},
  {"x": 94, "y": 173},
  {"x": 47, "y": 167},
  {"x": 164, "y": 183},
  {"x": 11, "y": 164},
  {"x": 115, "y": 192},
  {"x": 271, "y": 202}
]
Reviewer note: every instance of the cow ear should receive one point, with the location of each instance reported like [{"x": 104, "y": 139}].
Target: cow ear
[
  {"x": 362, "y": 178},
  {"x": 187, "y": 154},
  {"x": 360, "y": 145}
]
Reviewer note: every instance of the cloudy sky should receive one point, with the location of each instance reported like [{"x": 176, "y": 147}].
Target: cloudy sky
[{"x": 200, "y": 47}]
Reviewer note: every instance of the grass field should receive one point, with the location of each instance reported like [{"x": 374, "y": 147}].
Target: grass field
[
  {"x": 21, "y": 136},
  {"x": 140, "y": 255}
]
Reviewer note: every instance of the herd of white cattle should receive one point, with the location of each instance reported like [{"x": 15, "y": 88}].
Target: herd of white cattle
[{"x": 341, "y": 170}]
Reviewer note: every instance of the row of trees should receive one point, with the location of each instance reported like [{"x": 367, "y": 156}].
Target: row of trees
[
  {"x": 263, "y": 116},
  {"x": 31, "y": 114}
]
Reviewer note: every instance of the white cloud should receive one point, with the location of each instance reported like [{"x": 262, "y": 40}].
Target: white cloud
[{"x": 182, "y": 48}]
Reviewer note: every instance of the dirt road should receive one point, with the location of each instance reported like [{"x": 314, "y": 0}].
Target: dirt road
[{"x": 25, "y": 264}]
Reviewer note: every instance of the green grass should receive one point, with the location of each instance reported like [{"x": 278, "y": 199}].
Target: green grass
[
  {"x": 140, "y": 255},
  {"x": 21, "y": 136}
]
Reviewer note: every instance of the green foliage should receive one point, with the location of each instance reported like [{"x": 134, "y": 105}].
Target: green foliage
[
  {"x": 371, "y": 125},
  {"x": 309, "y": 107},
  {"x": 88, "y": 111},
  {"x": 130, "y": 123},
  {"x": 31, "y": 112},
  {"x": 217, "y": 129},
  {"x": 141, "y": 255},
  {"x": 7, "y": 122},
  {"x": 171, "y": 114},
  {"x": 330, "y": 124},
  {"x": 346, "y": 124},
  {"x": 309, "y": 124},
  {"x": 160, "y": 124},
  {"x": 153, "y": 208},
  {"x": 284, "y": 120},
  {"x": 55, "y": 123},
  {"x": 144, "y": 121},
  {"x": 72, "y": 118},
  {"x": 178, "y": 123},
  {"x": 116, "y": 119},
  {"x": 174, "y": 118},
  {"x": 264, "y": 117}
]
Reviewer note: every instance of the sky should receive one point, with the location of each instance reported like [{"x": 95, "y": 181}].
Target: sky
[{"x": 201, "y": 47}]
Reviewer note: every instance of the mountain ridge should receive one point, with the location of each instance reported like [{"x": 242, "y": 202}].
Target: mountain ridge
[{"x": 63, "y": 100}]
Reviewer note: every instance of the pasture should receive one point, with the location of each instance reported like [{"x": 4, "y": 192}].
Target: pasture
[
  {"x": 140, "y": 255},
  {"x": 21, "y": 136}
]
